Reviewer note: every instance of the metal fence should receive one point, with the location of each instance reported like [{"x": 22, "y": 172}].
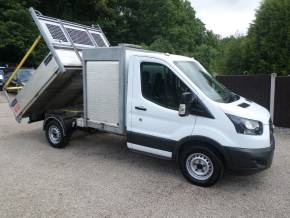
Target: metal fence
[{"x": 270, "y": 91}]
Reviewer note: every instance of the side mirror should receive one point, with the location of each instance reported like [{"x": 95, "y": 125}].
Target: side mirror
[{"x": 187, "y": 98}]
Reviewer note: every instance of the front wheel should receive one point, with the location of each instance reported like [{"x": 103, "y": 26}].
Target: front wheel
[
  {"x": 55, "y": 135},
  {"x": 201, "y": 166}
]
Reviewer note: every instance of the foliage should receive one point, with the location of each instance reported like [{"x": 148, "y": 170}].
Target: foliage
[
  {"x": 266, "y": 48},
  {"x": 161, "y": 25},
  {"x": 17, "y": 32},
  {"x": 232, "y": 55},
  {"x": 269, "y": 38}
]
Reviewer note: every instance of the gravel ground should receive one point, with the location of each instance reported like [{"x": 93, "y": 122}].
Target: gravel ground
[{"x": 96, "y": 176}]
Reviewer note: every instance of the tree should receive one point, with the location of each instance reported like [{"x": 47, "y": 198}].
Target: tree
[
  {"x": 17, "y": 32},
  {"x": 166, "y": 20},
  {"x": 232, "y": 58},
  {"x": 266, "y": 47},
  {"x": 162, "y": 25},
  {"x": 269, "y": 38}
]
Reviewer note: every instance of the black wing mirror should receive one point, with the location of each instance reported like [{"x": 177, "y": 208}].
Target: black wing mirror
[{"x": 187, "y": 98}]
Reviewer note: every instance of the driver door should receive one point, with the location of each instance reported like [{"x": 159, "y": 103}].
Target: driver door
[{"x": 155, "y": 124}]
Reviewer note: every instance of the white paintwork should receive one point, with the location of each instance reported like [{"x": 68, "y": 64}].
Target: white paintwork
[
  {"x": 157, "y": 120},
  {"x": 254, "y": 111},
  {"x": 165, "y": 123},
  {"x": 150, "y": 150}
]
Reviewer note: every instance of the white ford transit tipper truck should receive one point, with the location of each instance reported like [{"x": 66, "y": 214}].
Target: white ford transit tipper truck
[{"x": 165, "y": 105}]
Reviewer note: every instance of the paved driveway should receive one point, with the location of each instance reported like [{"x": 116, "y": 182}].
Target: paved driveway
[{"x": 96, "y": 176}]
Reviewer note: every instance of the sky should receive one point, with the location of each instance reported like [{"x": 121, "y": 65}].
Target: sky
[{"x": 226, "y": 17}]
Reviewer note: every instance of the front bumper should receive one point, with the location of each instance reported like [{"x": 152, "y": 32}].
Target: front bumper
[{"x": 249, "y": 160}]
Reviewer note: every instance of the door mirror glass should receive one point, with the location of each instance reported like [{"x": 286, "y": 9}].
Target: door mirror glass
[{"x": 187, "y": 98}]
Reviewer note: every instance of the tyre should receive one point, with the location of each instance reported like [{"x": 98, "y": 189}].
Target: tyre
[
  {"x": 200, "y": 165},
  {"x": 55, "y": 135}
]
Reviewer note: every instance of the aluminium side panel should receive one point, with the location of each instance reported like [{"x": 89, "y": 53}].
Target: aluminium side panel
[
  {"x": 104, "y": 89},
  {"x": 103, "y": 92},
  {"x": 42, "y": 76}
]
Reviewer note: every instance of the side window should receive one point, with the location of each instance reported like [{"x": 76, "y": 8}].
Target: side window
[{"x": 160, "y": 85}]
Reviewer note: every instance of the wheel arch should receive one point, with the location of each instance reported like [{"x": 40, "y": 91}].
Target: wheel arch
[
  {"x": 55, "y": 118},
  {"x": 200, "y": 140},
  {"x": 66, "y": 123}
]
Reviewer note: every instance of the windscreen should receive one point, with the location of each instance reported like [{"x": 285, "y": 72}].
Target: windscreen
[{"x": 206, "y": 82}]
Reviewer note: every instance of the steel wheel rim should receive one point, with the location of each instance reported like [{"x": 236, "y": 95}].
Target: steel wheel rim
[
  {"x": 199, "y": 166},
  {"x": 54, "y": 134}
]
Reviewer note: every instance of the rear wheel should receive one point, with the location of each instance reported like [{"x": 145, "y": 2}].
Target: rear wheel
[
  {"x": 200, "y": 165},
  {"x": 55, "y": 135}
]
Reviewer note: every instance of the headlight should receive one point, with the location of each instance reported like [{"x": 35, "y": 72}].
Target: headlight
[{"x": 246, "y": 126}]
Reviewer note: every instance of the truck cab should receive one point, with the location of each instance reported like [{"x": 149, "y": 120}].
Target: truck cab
[{"x": 177, "y": 110}]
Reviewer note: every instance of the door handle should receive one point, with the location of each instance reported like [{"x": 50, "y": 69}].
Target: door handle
[{"x": 140, "y": 108}]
